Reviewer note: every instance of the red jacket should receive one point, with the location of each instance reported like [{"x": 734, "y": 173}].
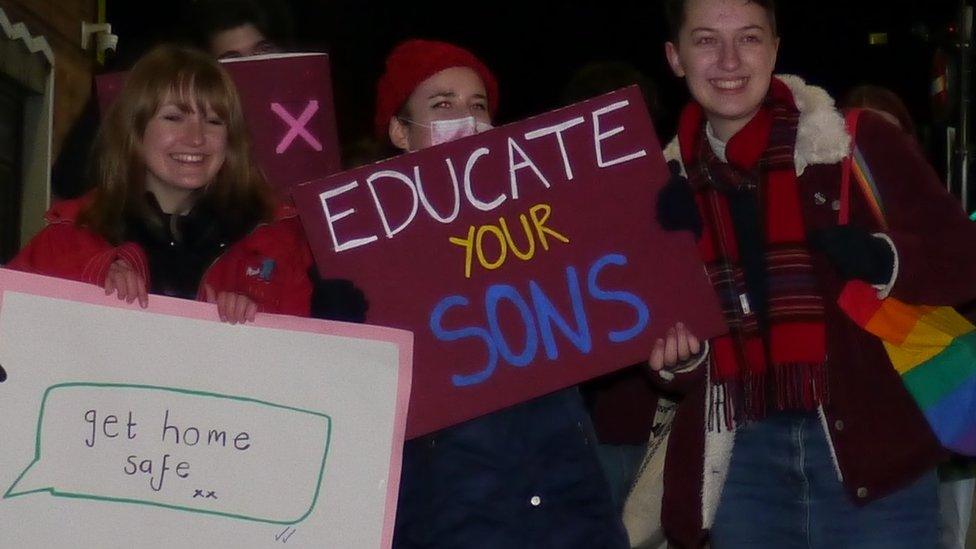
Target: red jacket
[
  {"x": 270, "y": 265},
  {"x": 881, "y": 441}
]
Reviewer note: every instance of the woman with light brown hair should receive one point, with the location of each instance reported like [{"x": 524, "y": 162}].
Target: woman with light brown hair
[{"x": 179, "y": 208}]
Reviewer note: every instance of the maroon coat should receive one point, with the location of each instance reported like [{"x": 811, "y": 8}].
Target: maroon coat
[{"x": 880, "y": 438}]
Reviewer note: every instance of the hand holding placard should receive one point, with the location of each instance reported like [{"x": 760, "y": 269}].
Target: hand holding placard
[{"x": 189, "y": 431}]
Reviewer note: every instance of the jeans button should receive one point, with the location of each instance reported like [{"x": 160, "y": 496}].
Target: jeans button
[{"x": 862, "y": 492}]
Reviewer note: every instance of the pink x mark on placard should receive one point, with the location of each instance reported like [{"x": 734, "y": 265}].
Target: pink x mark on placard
[{"x": 297, "y": 127}]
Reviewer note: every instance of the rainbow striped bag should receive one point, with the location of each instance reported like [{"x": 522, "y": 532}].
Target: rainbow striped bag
[{"x": 932, "y": 348}]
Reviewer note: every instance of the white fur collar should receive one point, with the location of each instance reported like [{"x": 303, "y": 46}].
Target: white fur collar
[{"x": 821, "y": 137}]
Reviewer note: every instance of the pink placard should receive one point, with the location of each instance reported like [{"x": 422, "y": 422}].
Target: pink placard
[
  {"x": 288, "y": 106},
  {"x": 70, "y": 291},
  {"x": 525, "y": 259}
]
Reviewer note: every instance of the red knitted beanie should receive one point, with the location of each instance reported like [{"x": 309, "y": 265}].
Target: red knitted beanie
[{"x": 412, "y": 62}]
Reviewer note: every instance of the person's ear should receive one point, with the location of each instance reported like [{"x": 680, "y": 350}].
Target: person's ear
[
  {"x": 399, "y": 134},
  {"x": 671, "y": 52}
]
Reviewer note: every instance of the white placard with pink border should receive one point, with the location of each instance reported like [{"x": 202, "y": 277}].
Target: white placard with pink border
[{"x": 164, "y": 427}]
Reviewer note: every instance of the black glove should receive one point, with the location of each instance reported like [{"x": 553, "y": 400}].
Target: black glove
[
  {"x": 676, "y": 207},
  {"x": 855, "y": 253},
  {"x": 337, "y": 299}
]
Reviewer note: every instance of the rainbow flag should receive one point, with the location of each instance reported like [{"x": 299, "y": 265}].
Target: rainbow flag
[{"x": 934, "y": 351}]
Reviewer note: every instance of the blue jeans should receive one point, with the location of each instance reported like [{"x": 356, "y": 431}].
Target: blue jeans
[{"x": 782, "y": 491}]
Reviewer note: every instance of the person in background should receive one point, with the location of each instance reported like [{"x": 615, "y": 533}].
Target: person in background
[
  {"x": 179, "y": 209},
  {"x": 600, "y": 77},
  {"x": 957, "y": 484},
  {"x": 229, "y": 29},
  {"x": 884, "y": 102},
  {"x": 623, "y": 403},
  {"x": 526, "y": 476},
  {"x": 795, "y": 429}
]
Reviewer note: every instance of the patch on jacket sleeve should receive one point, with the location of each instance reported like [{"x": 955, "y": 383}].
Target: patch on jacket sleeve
[{"x": 262, "y": 269}]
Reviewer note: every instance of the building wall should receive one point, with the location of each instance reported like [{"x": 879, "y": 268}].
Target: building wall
[{"x": 59, "y": 21}]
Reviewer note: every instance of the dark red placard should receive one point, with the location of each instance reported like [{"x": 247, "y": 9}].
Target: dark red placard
[
  {"x": 572, "y": 278},
  {"x": 288, "y": 106}
]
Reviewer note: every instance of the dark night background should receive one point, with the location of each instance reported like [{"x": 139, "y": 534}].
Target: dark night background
[{"x": 534, "y": 46}]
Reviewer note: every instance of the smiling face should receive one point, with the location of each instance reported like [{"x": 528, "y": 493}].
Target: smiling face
[
  {"x": 726, "y": 51},
  {"x": 453, "y": 93},
  {"x": 183, "y": 149}
]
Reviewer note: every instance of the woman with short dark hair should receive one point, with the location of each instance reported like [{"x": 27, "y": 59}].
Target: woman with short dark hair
[{"x": 796, "y": 430}]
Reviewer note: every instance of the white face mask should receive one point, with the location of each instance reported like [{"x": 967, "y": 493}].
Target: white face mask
[{"x": 444, "y": 131}]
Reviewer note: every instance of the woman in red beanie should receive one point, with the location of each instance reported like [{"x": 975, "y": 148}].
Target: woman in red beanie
[
  {"x": 526, "y": 476},
  {"x": 431, "y": 93}
]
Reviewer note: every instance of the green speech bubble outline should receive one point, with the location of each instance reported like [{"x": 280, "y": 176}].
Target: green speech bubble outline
[{"x": 54, "y": 492}]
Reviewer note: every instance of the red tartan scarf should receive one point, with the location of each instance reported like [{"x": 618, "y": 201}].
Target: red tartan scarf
[{"x": 774, "y": 357}]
